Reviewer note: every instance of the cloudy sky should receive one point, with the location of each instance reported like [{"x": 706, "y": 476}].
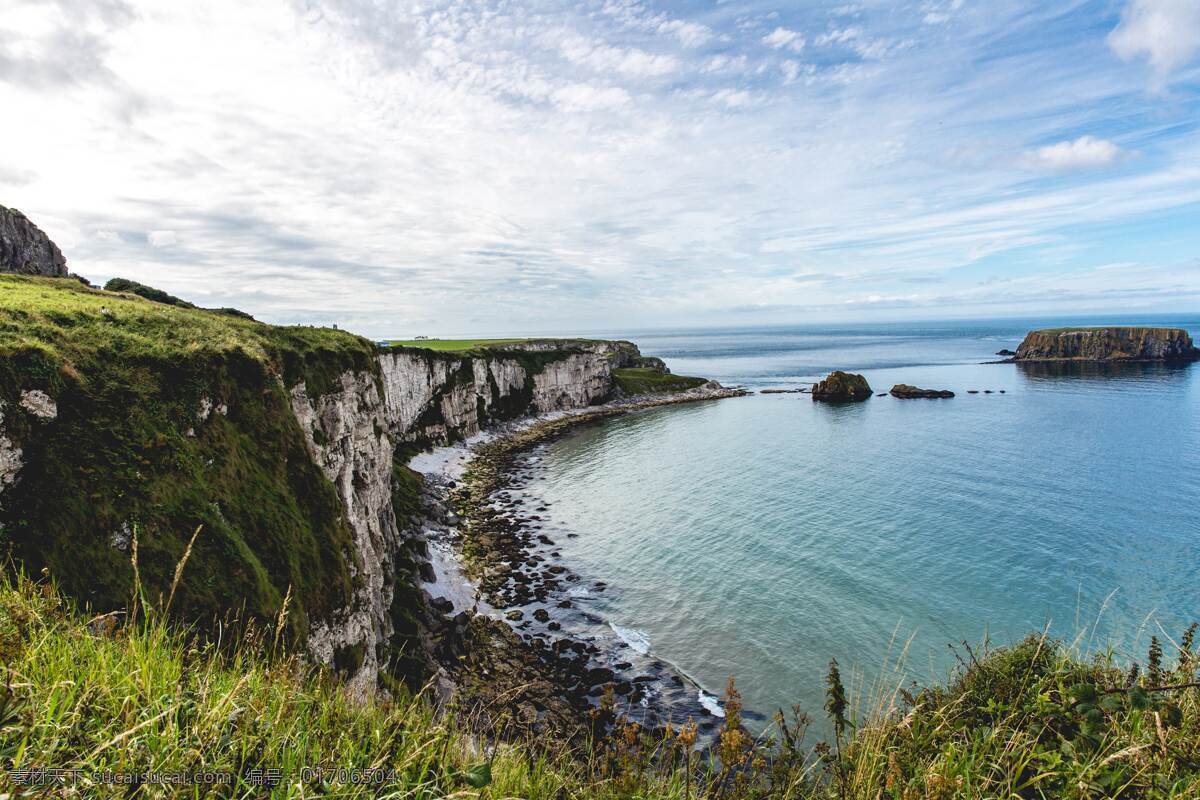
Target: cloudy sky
[{"x": 404, "y": 167}]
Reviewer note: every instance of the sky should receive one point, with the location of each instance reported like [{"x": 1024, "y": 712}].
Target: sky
[{"x": 404, "y": 168}]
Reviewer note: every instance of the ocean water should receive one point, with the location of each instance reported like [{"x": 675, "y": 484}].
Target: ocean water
[{"x": 760, "y": 537}]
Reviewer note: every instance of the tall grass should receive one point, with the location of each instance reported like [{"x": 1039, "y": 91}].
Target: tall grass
[{"x": 110, "y": 694}]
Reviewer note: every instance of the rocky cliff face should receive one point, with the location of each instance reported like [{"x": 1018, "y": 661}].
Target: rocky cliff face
[
  {"x": 418, "y": 397},
  {"x": 1107, "y": 344},
  {"x": 24, "y": 249}
]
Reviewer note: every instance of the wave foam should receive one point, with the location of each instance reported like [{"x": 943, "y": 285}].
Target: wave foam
[
  {"x": 711, "y": 704},
  {"x": 637, "y": 641}
]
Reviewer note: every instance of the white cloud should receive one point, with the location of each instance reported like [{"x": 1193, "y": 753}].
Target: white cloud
[
  {"x": 1166, "y": 32},
  {"x": 1086, "y": 152},
  {"x": 690, "y": 34},
  {"x": 162, "y": 238},
  {"x": 782, "y": 37},
  {"x": 583, "y": 97},
  {"x": 629, "y": 62}
]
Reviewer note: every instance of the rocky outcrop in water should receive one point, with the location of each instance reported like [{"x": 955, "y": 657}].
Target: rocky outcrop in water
[
  {"x": 906, "y": 392},
  {"x": 1107, "y": 344},
  {"x": 840, "y": 387},
  {"x": 25, "y": 249}
]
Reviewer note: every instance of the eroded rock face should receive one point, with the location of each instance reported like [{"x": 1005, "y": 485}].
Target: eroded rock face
[
  {"x": 841, "y": 386},
  {"x": 25, "y": 249},
  {"x": 346, "y": 431},
  {"x": 906, "y": 392},
  {"x": 1107, "y": 344},
  {"x": 10, "y": 456},
  {"x": 418, "y": 397}
]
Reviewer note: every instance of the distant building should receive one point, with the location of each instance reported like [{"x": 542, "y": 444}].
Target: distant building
[{"x": 420, "y": 337}]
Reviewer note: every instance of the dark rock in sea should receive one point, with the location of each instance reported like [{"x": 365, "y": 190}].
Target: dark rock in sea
[
  {"x": 972, "y": 391},
  {"x": 554, "y": 626},
  {"x": 600, "y": 675},
  {"x": 1005, "y": 352},
  {"x": 565, "y": 604},
  {"x": 841, "y": 386},
  {"x": 515, "y": 614},
  {"x": 441, "y": 605},
  {"x": 623, "y": 687},
  {"x": 25, "y": 249},
  {"x": 1107, "y": 344},
  {"x": 906, "y": 392},
  {"x": 881, "y": 394},
  {"x": 541, "y": 615}
]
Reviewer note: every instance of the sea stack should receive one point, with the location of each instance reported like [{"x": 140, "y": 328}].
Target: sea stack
[
  {"x": 840, "y": 387},
  {"x": 1107, "y": 344}
]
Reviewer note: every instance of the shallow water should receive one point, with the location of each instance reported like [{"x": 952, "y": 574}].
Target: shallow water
[{"x": 760, "y": 537}]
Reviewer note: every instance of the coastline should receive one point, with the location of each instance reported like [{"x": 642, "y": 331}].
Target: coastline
[{"x": 513, "y": 638}]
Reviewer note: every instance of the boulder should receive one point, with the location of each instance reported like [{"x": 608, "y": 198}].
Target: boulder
[
  {"x": 841, "y": 386},
  {"x": 1005, "y": 352},
  {"x": 25, "y": 249},
  {"x": 906, "y": 392},
  {"x": 1107, "y": 344}
]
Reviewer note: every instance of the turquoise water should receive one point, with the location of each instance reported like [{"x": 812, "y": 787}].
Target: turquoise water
[{"x": 760, "y": 537}]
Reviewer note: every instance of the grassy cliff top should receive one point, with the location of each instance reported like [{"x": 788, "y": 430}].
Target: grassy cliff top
[
  {"x": 1093, "y": 328},
  {"x": 469, "y": 345},
  {"x": 646, "y": 380},
  {"x": 70, "y": 324}
]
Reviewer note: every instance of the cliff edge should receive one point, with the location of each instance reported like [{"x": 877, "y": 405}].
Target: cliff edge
[
  {"x": 25, "y": 249},
  {"x": 1107, "y": 344}
]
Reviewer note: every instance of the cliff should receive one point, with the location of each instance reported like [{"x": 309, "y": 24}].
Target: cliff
[
  {"x": 1107, "y": 344},
  {"x": 24, "y": 249},
  {"x": 123, "y": 418}
]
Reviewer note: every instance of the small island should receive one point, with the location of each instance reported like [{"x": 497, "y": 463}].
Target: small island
[{"x": 1107, "y": 344}]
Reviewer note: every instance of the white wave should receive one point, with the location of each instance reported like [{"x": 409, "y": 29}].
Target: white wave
[
  {"x": 578, "y": 591},
  {"x": 637, "y": 641},
  {"x": 711, "y": 704}
]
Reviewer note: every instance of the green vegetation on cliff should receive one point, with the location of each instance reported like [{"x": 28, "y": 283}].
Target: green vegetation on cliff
[
  {"x": 1029, "y": 721},
  {"x": 455, "y": 345},
  {"x": 647, "y": 380},
  {"x": 168, "y": 419}
]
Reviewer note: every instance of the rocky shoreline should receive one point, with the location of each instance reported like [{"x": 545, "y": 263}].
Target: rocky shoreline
[{"x": 512, "y": 635}]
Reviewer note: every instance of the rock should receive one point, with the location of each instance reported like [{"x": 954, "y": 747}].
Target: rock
[
  {"x": 39, "y": 404},
  {"x": 1107, "y": 344},
  {"x": 841, "y": 386},
  {"x": 515, "y": 615},
  {"x": 1005, "y": 352},
  {"x": 541, "y": 615},
  {"x": 25, "y": 249},
  {"x": 906, "y": 392}
]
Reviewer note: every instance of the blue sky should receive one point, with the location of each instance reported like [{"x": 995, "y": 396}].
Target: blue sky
[{"x": 440, "y": 168}]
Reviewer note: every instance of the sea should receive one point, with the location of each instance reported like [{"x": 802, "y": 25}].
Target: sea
[{"x": 761, "y": 537}]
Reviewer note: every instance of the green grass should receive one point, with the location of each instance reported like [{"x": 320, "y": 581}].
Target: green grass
[
  {"x": 1029, "y": 721},
  {"x": 455, "y": 345},
  {"x": 645, "y": 380},
  {"x": 129, "y": 450},
  {"x": 469, "y": 345}
]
